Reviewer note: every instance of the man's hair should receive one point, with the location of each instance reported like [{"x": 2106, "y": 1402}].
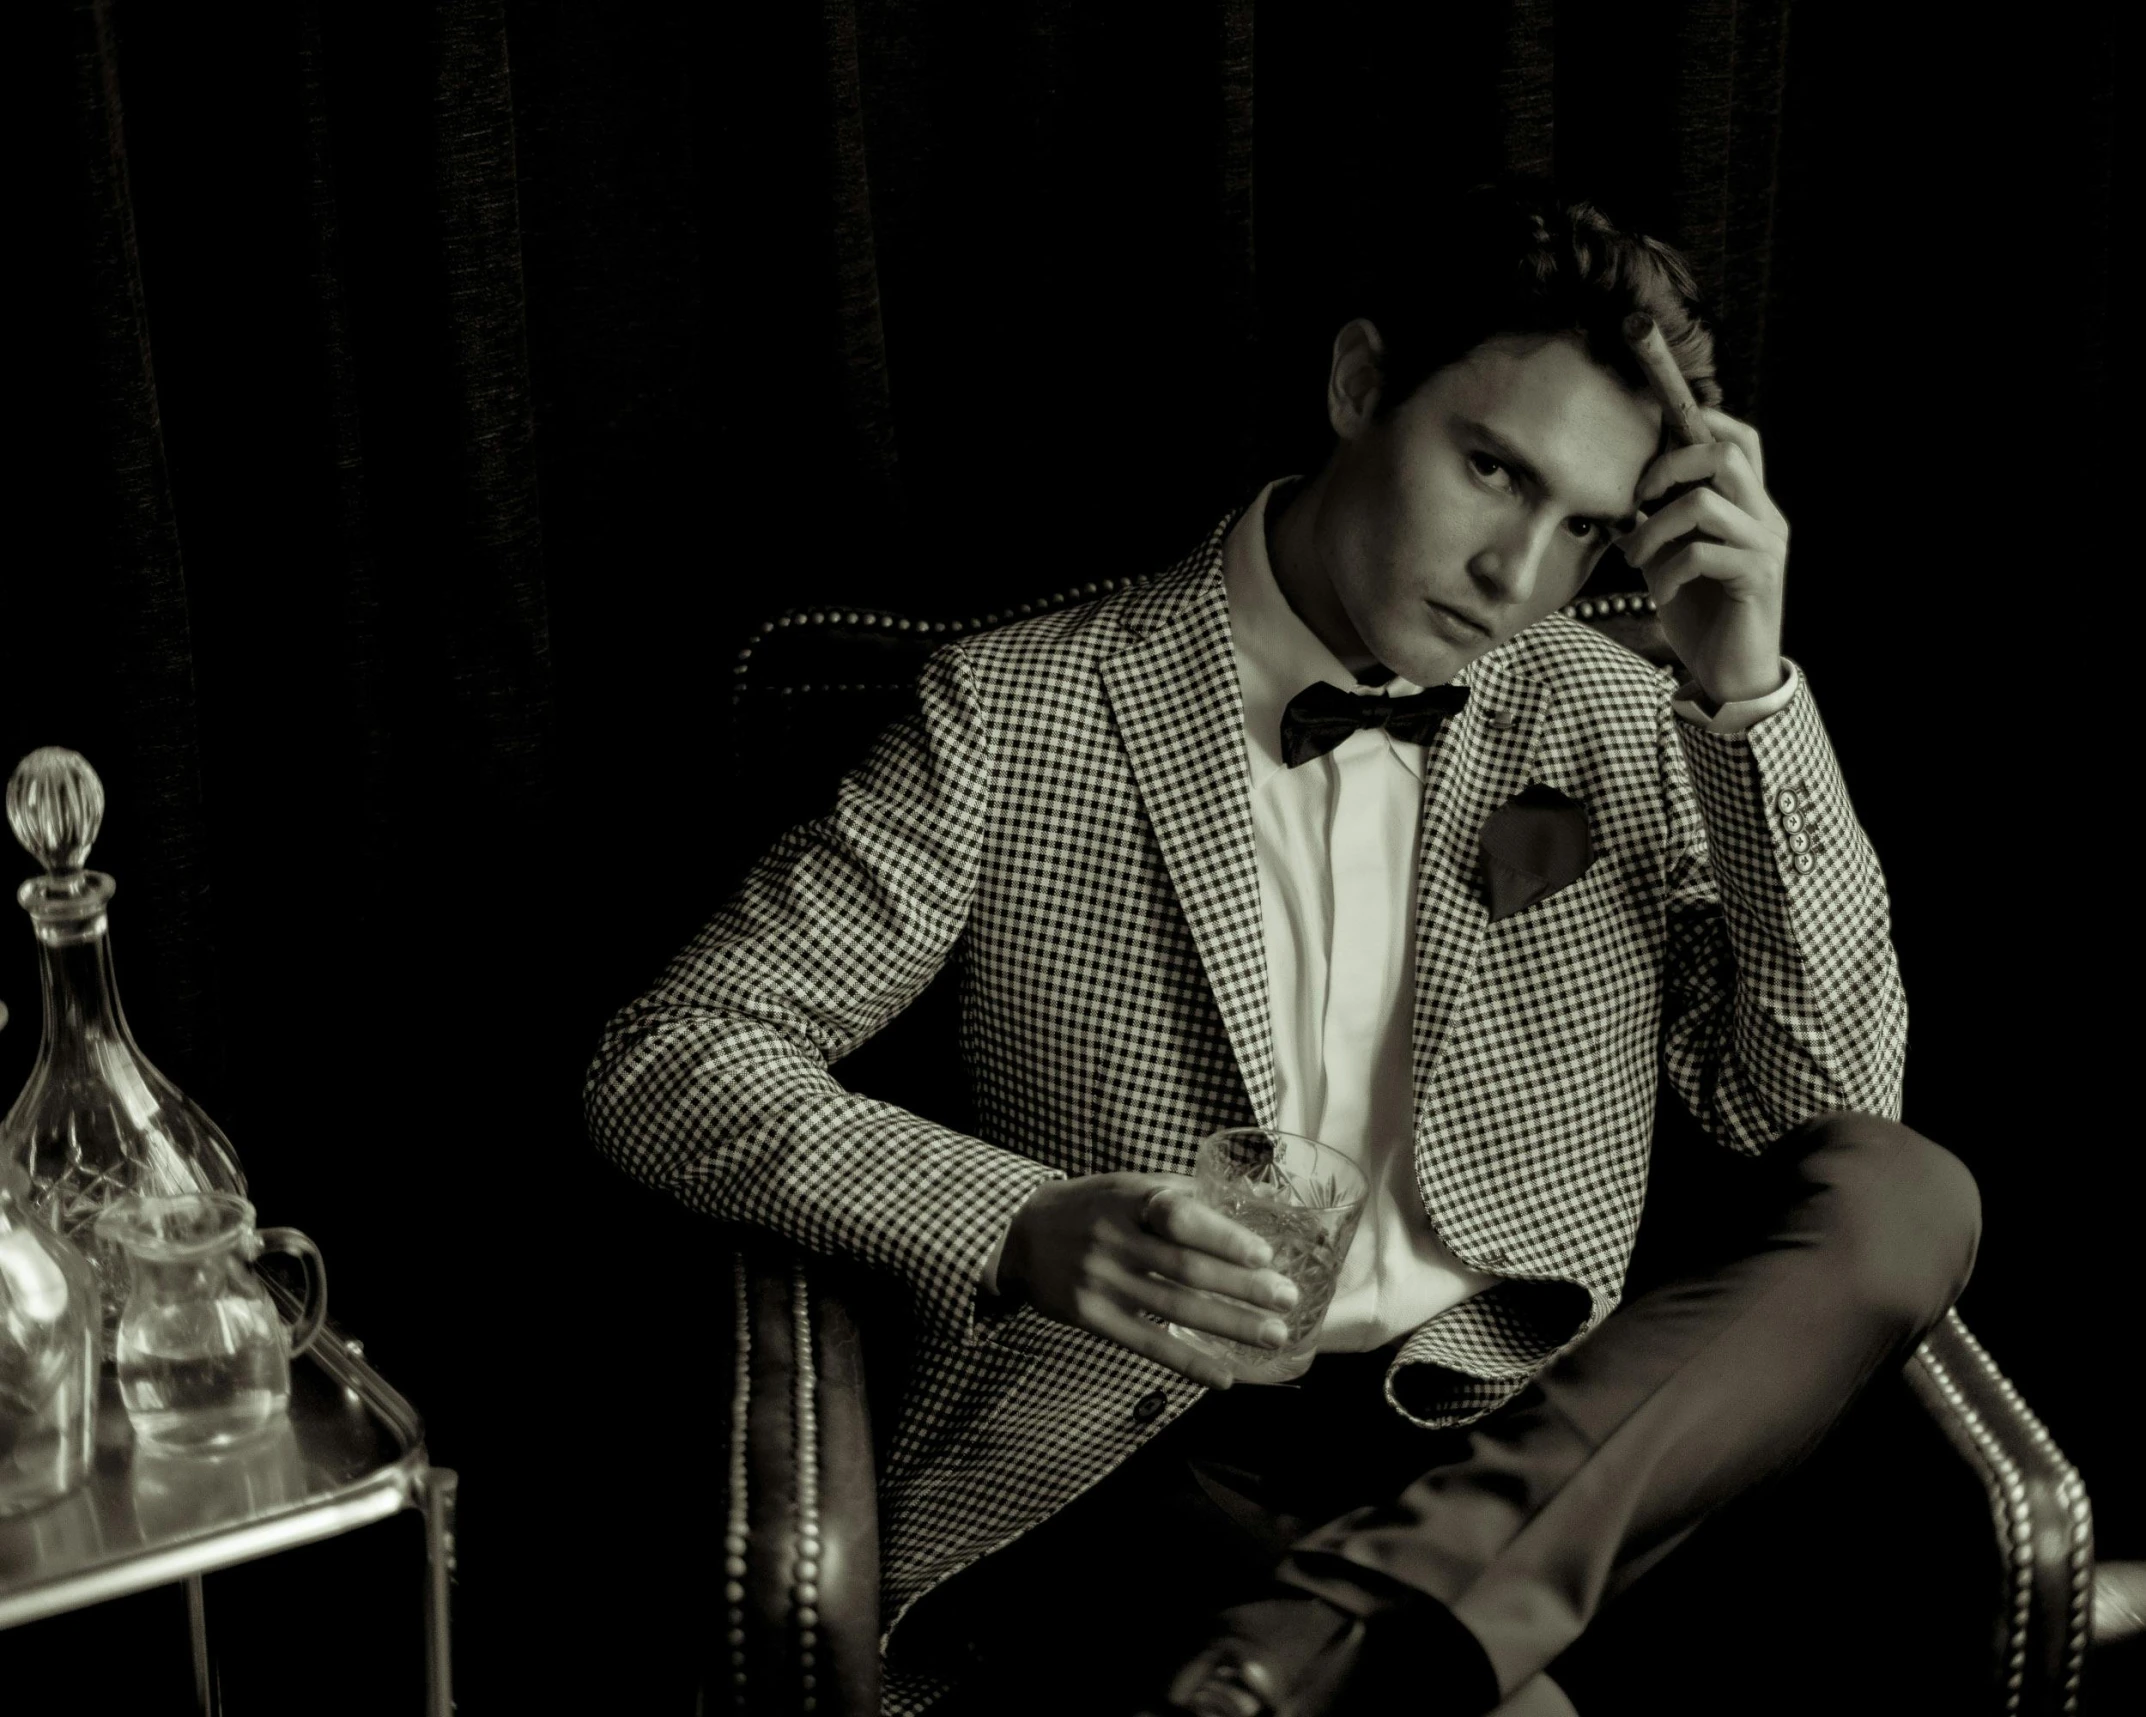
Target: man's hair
[{"x": 1517, "y": 259}]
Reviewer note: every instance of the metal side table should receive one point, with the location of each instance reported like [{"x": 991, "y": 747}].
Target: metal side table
[{"x": 352, "y": 1452}]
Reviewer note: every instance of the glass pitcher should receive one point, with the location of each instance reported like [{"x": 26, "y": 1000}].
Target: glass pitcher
[{"x": 204, "y": 1357}]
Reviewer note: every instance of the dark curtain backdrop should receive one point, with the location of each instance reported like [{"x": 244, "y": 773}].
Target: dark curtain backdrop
[{"x": 420, "y": 406}]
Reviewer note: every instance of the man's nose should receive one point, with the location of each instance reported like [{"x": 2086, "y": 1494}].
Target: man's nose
[{"x": 1509, "y": 569}]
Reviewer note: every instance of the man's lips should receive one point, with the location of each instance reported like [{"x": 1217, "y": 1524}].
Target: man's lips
[{"x": 1455, "y": 621}]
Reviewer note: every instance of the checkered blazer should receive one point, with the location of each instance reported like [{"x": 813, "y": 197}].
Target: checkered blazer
[{"x": 1068, "y": 816}]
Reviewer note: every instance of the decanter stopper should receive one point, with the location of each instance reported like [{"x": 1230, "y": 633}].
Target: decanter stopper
[{"x": 55, "y": 805}]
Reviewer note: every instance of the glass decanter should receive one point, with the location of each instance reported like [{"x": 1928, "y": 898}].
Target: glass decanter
[
  {"x": 48, "y": 1355},
  {"x": 96, "y": 1121}
]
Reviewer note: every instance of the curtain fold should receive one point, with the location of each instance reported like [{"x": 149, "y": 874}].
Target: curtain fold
[
  {"x": 136, "y": 656},
  {"x": 1236, "y": 220},
  {"x": 860, "y": 333},
  {"x": 494, "y": 580},
  {"x": 1527, "y": 89},
  {"x": 1751, "y": 181},
  {"x": 353, "y": 716}
]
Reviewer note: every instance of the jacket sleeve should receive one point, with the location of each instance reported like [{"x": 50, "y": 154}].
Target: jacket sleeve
[
  {"x": 1783, "y": 995},
  {"x": 715, "y": 1085}
]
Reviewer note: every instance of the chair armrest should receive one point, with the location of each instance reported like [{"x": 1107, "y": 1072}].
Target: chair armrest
[
  {"x": 2042, "y": 1567},
  {"x": 801, "y": 1513}
]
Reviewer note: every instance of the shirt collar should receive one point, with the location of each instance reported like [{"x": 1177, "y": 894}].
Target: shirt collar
[{"x": 1277, "y": 654}]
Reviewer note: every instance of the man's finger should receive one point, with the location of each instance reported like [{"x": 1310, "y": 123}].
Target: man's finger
[
  {"x": 1151, "y": 1341},
  {"x": 1700, "y": 510},
  {"x": 1180, "y": 1217},
  {"x": 1739, "y": 433},
  {"x": 1195, "y": 1310},
  {"x": 1197, "y": 1269},
  {"x": 1720, "y": 465},
  {"x": 1696, "y": 561}
]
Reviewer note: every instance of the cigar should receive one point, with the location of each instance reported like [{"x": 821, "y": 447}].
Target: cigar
[{"x": 1680, "y": 411}]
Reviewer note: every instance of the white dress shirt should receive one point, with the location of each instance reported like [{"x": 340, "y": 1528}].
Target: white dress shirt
[{"x": 1335, "y": 841}]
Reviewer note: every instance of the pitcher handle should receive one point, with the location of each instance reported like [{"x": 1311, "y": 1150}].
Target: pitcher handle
[{"x": 316, "y": 1274}]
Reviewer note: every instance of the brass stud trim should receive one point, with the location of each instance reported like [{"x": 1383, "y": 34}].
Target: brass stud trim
[
  {"x": 2071, "y": 1497},
  {"x": 903, "y": 623},
  {"x": 1626, "y": 602},
  {"x": 2006, "y": 1488},
  {"x": 737, "y": 1537},
  {"x": 1601, "y": 607},
  {"x": 805, "y": 1558}
]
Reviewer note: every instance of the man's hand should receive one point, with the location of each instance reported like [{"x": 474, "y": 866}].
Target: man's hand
[
  {"x": 1714, "y": 559},
  {"x": 1099, "y": 1250}
]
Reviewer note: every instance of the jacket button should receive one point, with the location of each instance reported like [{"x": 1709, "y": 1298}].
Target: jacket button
[
  {"x": 1804, "y": 862},
  {"x": 1150, "y": 1404}
]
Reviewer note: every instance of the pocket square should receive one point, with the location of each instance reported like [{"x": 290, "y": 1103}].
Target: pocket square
[{"x": 1533, "y": 845}]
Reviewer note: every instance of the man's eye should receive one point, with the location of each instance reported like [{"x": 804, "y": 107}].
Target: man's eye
[
  {"x": 1586, "y": 530},
  {"x": 1485, "y": 466}
]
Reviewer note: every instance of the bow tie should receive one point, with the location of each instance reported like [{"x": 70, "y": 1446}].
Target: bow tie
[{"x": 1321, "y": 716}]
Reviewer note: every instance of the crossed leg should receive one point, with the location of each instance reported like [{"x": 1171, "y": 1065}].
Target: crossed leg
[{"x": 1697, "y": 1390}]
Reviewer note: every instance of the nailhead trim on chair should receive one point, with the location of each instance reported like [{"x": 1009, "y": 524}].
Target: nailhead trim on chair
[
  {"x": 805, "y": 1560},
  {"x": 2071, "y": 1493},
  {"x": 2080, "y": 1548},
  {"x": 2008, "y": 1505},
  {"x": 2007, "y": 1490},
  {"x": 1594, "y": 607},
  {"x": 901, "y": 623},
  {"x": 736, "y": 1541}
]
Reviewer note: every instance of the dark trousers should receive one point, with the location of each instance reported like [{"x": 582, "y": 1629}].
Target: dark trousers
[{"x": 1844, "y": 1247}]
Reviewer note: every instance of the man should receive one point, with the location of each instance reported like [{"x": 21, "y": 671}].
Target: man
[{"x": 1458, "y": 936}]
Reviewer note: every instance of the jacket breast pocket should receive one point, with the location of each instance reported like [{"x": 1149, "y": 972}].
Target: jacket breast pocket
[{"x": 1596, "y": 930}]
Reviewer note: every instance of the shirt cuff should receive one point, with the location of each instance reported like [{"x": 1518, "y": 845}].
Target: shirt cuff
[{"x": 1741, "y": 716}]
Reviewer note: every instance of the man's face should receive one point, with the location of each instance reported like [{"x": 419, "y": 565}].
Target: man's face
[{"x": 1480, "y": 505}]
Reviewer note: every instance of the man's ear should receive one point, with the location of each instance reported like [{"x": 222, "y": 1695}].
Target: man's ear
[{"x": 1353, "y": 381}]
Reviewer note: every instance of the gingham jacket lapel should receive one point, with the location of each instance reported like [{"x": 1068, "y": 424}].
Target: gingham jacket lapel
[
  {"x": 1476, "y": 764},
  {"x": 1180, "y": 713}
]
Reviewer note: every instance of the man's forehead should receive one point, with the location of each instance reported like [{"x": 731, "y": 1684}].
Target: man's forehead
[{"x": 1584, "y": 433}]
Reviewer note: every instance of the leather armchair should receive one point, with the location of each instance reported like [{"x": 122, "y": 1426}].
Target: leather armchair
[{"x": 1987, "y": 1580}]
